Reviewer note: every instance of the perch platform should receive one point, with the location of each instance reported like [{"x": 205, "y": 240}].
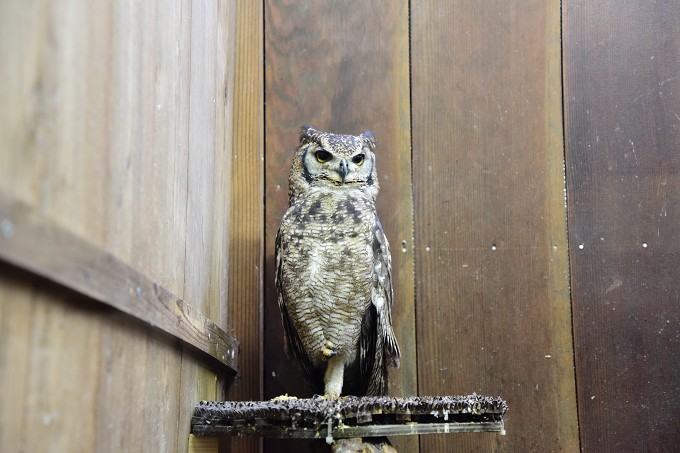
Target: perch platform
[{"x": 348, "y": 417}]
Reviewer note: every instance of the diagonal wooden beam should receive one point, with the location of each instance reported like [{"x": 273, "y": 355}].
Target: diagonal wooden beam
[{"x": 37, "y": 244}]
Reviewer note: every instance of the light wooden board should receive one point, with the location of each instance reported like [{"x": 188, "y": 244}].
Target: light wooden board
[
  {"x": 117, "y": 127},
  {"x": 493, "y": 312}
]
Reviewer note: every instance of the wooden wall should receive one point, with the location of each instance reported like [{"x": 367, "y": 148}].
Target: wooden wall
[
  {"x": 484, "y": 105},
  {"x": 622, "y": 117},
  {"x": 116, "y": 123},
  {"x": 528, "y": 155},
  {"x": 491, "y": 258},
  {"x": 489, "y": 241}
]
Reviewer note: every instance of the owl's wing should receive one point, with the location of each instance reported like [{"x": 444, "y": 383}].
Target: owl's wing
[
  {"x": 378, "y": 347},
  {"x": 292, "y": 342},
  {"x": 384, "y": 296}
]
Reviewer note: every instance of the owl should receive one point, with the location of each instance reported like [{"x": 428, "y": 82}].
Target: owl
[{"x": 333, "y": 267}]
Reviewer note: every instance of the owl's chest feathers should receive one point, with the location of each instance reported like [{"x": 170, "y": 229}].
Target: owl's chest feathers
[
  {"x": 332, "y": 218},
  {"x": 327, "y": 240}
]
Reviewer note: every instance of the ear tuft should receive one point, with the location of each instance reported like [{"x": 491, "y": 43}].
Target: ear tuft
[
  {"x": 307, "y": 134},
  {"x": 369, "y": 139}
]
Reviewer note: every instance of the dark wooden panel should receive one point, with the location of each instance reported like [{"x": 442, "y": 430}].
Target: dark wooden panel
[
  {"x": 341, "y": 66},
  {"x": 491, "y": 259},
  {"x": 622, "y": 98},
  {"x": 246, "y": 209}
]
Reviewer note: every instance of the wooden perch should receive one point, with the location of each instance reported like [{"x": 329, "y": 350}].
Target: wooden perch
[
  {"x": 349, "y": 417},
  {"x": 37, "y": 244}
]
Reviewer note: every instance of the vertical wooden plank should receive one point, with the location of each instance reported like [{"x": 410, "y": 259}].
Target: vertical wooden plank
[
  {"x": 145, "y": 178},
  {"x": 40, "y": 402},
  {"x": 14, "y": 356},
  {"x": 209, "y": 167},
  {"x": 203, "y": 444},
  {"x": 23, "y": 86},
  {"x": 201, "y": 153},
  {"x": 491, "y": 265},
  {"x": 338, "y": 67},
  {"x": 224, "y": 74},
  {"x": 16, "y": 308},
  {"x": 622, "y": 92},
  {"x": 58, "y": 391},
  {"x": 147, "y": 173},
  {"x": 246, "y": 231}
]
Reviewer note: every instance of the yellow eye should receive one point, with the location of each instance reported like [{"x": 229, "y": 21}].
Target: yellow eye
[
  {"x": 358, "y": 159},
  {"x": 323, "y": 156}
]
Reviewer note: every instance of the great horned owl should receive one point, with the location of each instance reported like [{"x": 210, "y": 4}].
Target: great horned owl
[{"x": 333, "y": 267}]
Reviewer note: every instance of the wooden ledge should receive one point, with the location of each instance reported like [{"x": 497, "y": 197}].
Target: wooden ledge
[
  {"x": 32, "y": 242},
  {"x": 350, "y": 417}
]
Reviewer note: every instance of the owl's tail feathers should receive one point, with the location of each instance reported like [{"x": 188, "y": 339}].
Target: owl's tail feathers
[{"x": 391, "y": 352}]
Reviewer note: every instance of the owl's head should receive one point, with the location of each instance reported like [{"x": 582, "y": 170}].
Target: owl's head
[{"x": 333, "y": 160}]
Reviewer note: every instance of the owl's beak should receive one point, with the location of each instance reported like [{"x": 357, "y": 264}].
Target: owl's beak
[{"x": 344, "y": 169}]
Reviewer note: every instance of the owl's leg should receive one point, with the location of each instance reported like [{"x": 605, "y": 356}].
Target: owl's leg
[{"x": 334, "y": 375}]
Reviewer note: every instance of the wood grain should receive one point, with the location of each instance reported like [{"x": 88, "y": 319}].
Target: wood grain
[
  {"x": 208, "y": 140},
  {"x": 203, "y": 444},
  {"x": 146, "y": 172},
  {"x": 117, "y": 129},
  {"x": 338, "y": 67},
  {"x": 491, "y": 265},
  {"x": 32, "y": 242},
  {"x": 139, "y": 128},
  {"x": 246, "y": 208},
  {"x": 622, "y": 92}
]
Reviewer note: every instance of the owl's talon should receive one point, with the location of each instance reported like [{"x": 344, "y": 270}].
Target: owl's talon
[
  {"x": 327, "y": 350},
  {"x": 284, "y": 397}
]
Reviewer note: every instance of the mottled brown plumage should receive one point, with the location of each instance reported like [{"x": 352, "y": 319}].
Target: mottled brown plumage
[{"x": 333, "y": 267}]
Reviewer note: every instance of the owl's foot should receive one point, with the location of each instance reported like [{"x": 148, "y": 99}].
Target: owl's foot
[
  {"x": 327, "y": 350},
  {"x": 284, "y": 397}
]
